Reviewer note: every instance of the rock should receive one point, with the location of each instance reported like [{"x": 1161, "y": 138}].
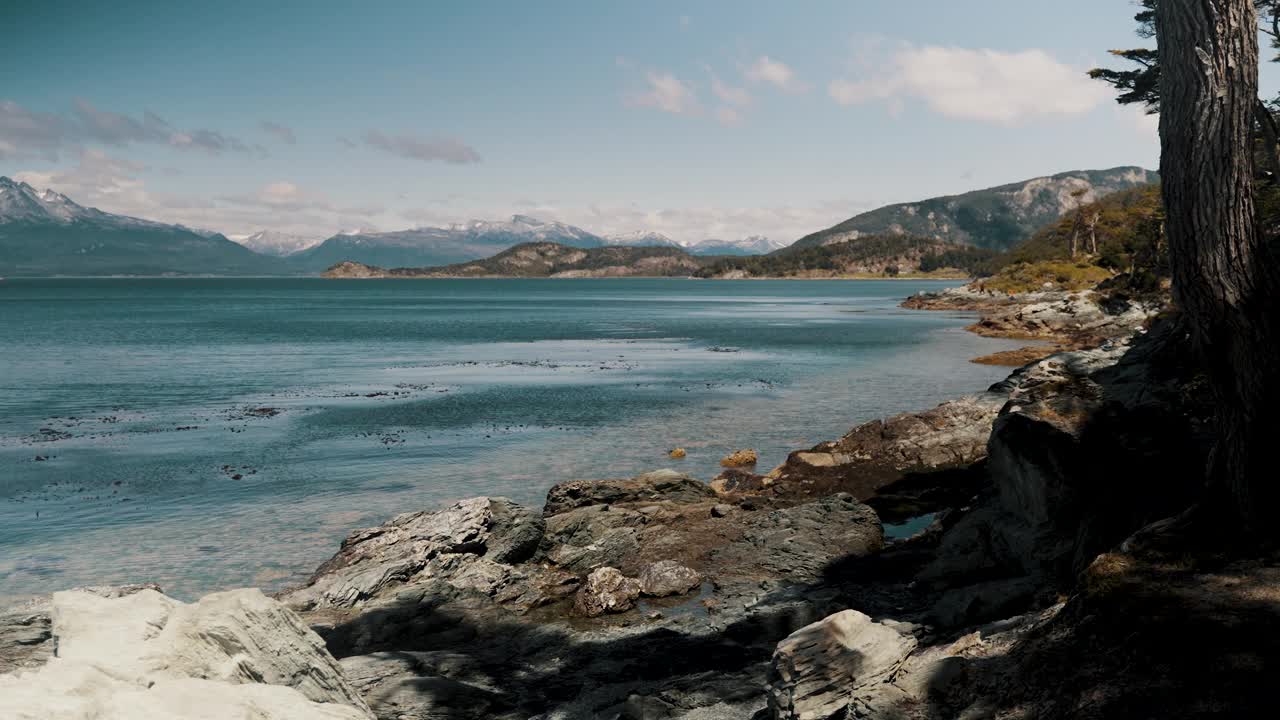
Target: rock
[
  {"x": 591, "y": 536},
  {"x": 720, "y": 510},
  {"x": 739, "y": 458},
  {"x": 881, "y": 452},
  {"x": 606, "y": 590},
  {"x": 667, "y": 577},
  {"x": 736, "y": 482},
  {"x": 677, "y": 453},
  {"x": 798, "y": 542},
  {"x": 425, "y": 685},
  {"x": 144, "y": 655},
  {"x": 376, "y": 560},
  {"x": 819, "y": 669},
  {"x": 26, "y": 631},
  {"x": 645, "y": 707},
  {"x": 663, "y": 485}
]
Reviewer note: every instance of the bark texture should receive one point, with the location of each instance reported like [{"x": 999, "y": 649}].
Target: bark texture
[{"x": 1223, "y": 278}]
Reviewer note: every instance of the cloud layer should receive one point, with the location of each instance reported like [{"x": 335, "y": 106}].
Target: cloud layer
[
  {"x": 436, "y": 149},
  {"x": 28, "y": 133},
  {"x": 972, "y": 84}
]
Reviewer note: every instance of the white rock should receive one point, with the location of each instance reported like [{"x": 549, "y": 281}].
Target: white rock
[
  {"x": 817, "y": 670},
  {"x": 235, "y": 654}
]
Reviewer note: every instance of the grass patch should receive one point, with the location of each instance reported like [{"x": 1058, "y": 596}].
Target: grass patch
[{"x": 1045, "y": 275}]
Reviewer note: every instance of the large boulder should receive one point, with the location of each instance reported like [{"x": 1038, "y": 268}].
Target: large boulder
[
  {"x": 145, "y": 655},
  {"x": 421, "y": 545},
  {"x": 819, "y": 669},
  {"x": 881, "y": 452},
  {"x": 661, "y": 485}
]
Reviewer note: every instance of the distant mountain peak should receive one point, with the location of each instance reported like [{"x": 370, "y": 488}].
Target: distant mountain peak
[
  {"x": 279, "y": 244},
  {"x": 642, "y": 238},
  {"x": 20, "y": 201}
]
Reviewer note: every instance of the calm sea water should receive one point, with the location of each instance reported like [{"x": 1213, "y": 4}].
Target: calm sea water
[{"x": 208, "y": 433}]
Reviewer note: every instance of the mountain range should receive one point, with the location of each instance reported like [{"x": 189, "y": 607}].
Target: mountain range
[
  {"x": 995, "y": 218},
  {"x": 45, "y": 233}
]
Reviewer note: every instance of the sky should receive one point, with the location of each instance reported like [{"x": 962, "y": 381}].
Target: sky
[{"x": 718, "y": 119}]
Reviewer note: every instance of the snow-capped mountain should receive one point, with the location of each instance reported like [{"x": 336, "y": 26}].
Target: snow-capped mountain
[
  {"x": 43, "y": 232},
  {"x": 431, "y": 246},
  {"x": 753, "y": 245},
  {"x": 21, "y": 202},
  {"x": 642, "y": 238},
  {"x": 279, "y": 244},
  {"x": 531, "y": 229}
]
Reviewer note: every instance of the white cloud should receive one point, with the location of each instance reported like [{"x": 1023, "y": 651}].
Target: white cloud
[
  {"x": 667, "y": 93},
  {"x": 116, "y": 185},
  {"x": 972, "y": 84},
  {"x": 766, "y": 70}
]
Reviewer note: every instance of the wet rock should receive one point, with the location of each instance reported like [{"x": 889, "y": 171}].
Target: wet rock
[
  {"x": 667, "y": 577},
  {"x": 734, "y": 482},
  {"x": 606, "y": 590},
  {"x": 663, "y": 485},
  {"x": 818, "y": 670},
  {"x": 739, "y": 458}
]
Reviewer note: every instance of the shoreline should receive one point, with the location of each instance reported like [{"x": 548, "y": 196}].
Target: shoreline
[{"x": 566, "y": 600}]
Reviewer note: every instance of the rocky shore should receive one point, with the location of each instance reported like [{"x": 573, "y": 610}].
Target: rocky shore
[
  {"x": 1026, "y": 592},
  {"x": 1056, "y": 320}
]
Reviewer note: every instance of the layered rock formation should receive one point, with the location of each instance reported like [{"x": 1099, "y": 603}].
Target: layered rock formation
[{"x": 139, "y": 654}]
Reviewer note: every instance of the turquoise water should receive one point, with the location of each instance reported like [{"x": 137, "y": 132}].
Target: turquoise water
[{"x": 207, "y": 433}]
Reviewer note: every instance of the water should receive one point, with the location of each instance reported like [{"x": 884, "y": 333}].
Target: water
[{"x": 209, "y": 433}]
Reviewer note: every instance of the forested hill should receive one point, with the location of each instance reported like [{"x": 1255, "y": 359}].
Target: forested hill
[
  {"x": 867, "y": 256},
  {"x": 546, "y": 259},
  {"x": 997, "y": 218}
]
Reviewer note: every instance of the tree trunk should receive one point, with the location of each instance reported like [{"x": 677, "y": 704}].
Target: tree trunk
[{"x": 1222, "y": 276}]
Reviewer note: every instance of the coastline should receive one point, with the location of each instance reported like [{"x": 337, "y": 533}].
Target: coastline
[{"x": 734, "y": 566}]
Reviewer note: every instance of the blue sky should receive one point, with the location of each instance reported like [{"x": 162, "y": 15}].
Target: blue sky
[{"x": 707, "y": 119}]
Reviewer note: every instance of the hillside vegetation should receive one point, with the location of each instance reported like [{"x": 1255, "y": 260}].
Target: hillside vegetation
[
  {"x": 1118, "y": 239},
  {"x": 547, "y": 259},
  {"x": 998, "y": 218},
  {"x": 867, "y": 256}
]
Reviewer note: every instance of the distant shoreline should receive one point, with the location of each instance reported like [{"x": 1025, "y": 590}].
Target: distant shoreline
[{"x": 916, "y": 278}]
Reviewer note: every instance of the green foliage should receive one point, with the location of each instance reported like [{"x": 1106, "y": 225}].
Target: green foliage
[
  {"x": 1128, "y": 223},
  {"x": 896, "y": 254}
]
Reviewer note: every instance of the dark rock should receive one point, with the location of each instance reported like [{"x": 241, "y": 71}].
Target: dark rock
[{"x": 662, "y": 485}]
